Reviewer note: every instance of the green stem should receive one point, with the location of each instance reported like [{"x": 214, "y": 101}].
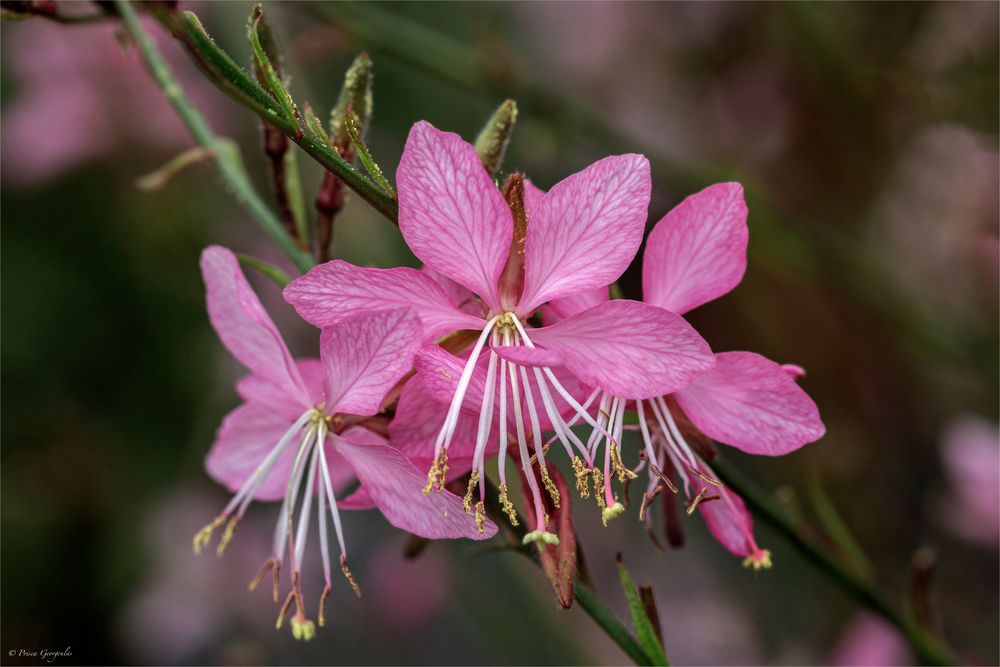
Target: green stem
[
  {"x": 603, "y": 616},
  {"x": 236, "y": 82},
  {"x": 227, "y": 160},
  {"x": 928, "y": 649},
  {"x": 586, "y": 596}
]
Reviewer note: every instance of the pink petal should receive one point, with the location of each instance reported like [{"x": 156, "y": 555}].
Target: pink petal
[
  {"x": 460, "y": 297},
  {"x": 560, "y": 309},
  {"x": 247, "y": 435},
  {"x": 396, "y": 487},
  {"x": 243, "y": 325},
  {"x": 794, "y": 370},
  {"x": 628, "y": 348},
  {"x": 531, "y": 357},
  {"x": 337, "y": 290},
  {"x": 698, "y": 251},
  {"x": 751, "y": 403},
  {"x": 532, "y": 197},
  {"x": 585, "y": 231},
  {"x": 414, "y": 430},
  {"x": 254, "y": 388},
  {"x": 727, "y": 519},
  {"x": 365, "y": 356},
  {"x": 451, "y": 214}
]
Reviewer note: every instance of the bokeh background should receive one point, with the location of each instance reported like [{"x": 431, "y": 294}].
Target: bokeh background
[{"x": 866, "y": 136}]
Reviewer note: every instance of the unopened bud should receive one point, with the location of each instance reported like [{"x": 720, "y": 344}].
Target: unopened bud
[
  {"x": 355, "y": 97},
  {"x": 491, "y": 144}
]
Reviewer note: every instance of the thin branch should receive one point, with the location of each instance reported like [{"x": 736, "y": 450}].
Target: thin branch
[
  {"x": 226, "y": 158},
  {"x": 928, "y": 649}
]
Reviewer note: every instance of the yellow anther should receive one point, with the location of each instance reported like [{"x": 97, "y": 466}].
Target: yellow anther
[
  {"x": 541, "y": 538},
  {"x": 759, "y": 560},
  {"x": 581, "y": 473},
  {"x": 272, "y": 562},
  {"x": 349, "y": 576},
  {"x": 610, "y": 513},
  {"x": 550, "y": 486},
  {"x": 508, "y": 507},
  {"x": 227, "y": 536},
  {"x": 437, "y": 473},
  {"x": 303, "y": 628},
  {"x": 284, "y": 610},
  {"x": 598, "y": 487},
  {"x": 619, "y": 467},
  {"x": 467, "y": 501},
  {"x": 702, "y": 497},
  {"x": 703, "y": 477},
  {"x": 204, "y": 536},
  {"x": 322, "y": 606},
  {"x": 480, "y": 516}
]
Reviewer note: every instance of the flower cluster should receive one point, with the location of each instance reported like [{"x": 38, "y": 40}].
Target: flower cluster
[{"x": 500, "y": 345}]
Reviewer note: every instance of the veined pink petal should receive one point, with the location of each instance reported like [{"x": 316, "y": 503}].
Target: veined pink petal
[
  {"x": 337, "y": 290},
  {"x": 532, "y": 197},
  {"x": 256, "y": 389},
  {"x": 727, "y": 519},
  {"x": 244, "y": 439},
  {"x": 751, "y": 403},
  {"x": 365, "y": 356},
  {"x": 451, "y": 214},
  {"x": 244, "y": 326},
  {"x": 460, "y": 297},
  {"x": 628, "y": 348},
  {"x": 530, "y": 356},
  {"x": 585, "y": 231},
  {"x": 414, "y": 430},
  {"x": 698, "y": 251},
  {"x": 560, "y": 309},
  {"x": 396, "y": 488}
]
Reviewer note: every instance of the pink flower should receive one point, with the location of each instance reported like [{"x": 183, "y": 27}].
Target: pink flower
[
  {"x": 298, "y": 432},
  {"x": 695, "y": 254},
  {"x": 581, "y": 236}
]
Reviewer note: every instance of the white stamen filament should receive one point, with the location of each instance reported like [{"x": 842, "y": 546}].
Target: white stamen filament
[
  {"x": 502, "y": 458},
  {"x": 486, "y": 412},
  {"x": 307, "y": 503},
  {"x": 334, "y": 514},
  {"x": 451, "y": 419},
  {"x": 254, "y": 482},
  {"x": 285, "y": 516}
]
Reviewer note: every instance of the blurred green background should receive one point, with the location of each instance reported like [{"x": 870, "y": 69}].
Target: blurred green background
[{"x": 866, "y": 136}]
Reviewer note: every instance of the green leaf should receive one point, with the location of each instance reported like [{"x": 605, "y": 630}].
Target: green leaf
[
  {"x": 644, "y": 629},
  {"x": 266, "y": 69},
  {"x": 159, "y": 179},
  {"x": 366, "y": 159},
  {"x": 269, "y": 270},
  {"x": 836, "y": 528}
]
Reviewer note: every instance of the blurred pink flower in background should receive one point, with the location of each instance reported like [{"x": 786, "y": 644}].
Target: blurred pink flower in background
[
  {"x": 79, "y": 95},
  {"x": 186, "y": 605},
  {"x": 869, "y": 640},
  {"x": 408, "y": 594},
  {"x": 970, "y": 448}
]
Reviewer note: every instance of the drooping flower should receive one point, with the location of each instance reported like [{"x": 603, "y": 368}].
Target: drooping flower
[
  {"x": 581, "y": 235},
  {"x": 299, "y": 434},
  {"x": 695, "y": 254}
]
